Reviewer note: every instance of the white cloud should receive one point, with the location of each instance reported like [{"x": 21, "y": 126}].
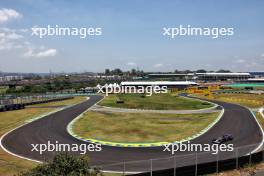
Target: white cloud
[
  {"x": 262, "y": 55},
  {"x": 10, "y": 39},
  {"x": 9, "y": 46},
  {"x": 12, "y": 36},
  {"x": 240, "y": 61},
  {"x": 251, "y": 64},
  {"x": 208, "y": 65},
  {"x": 131, "y": 64},
  {"x": 8, "y": 14},
  {"x": 39, "y": 54},
  {"x": 158, "y": 65}
]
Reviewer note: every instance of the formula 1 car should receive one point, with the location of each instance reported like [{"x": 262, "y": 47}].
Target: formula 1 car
[{"x": 222, "y": 139}]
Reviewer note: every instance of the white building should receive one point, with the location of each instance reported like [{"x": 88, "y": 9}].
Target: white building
[
  {"x": 223, "y": 76},
  {"x": 10, "y": 78},
  {"x": 169, "y": 84}
]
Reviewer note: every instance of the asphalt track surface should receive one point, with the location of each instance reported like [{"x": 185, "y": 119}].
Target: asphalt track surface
[{"x": 236, "y": 120}]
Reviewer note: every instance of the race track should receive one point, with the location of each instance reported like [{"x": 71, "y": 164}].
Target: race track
[{"x": 236, "y": 120}]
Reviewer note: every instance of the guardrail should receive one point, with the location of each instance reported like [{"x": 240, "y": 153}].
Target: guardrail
[{"x": 190, "y": 164}]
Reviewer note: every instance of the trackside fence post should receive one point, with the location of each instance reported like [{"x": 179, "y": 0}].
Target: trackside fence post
[
  {"x": 175, "y": 165},
  {"x": 150, "y": 167},
  {"x": 236, "y": 150},
  {"x": 250, "y": 155},
  {"x": 217, "y": 162},
  {"x": 196, "y": 164},
  {"x": 262, "y": 152},
  {"x": 124, "y": 168}
]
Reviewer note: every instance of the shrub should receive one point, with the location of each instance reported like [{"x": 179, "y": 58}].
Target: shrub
[{"x": 64, "y": 164}]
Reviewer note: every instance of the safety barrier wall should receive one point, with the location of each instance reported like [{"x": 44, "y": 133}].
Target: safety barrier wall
[{"x": 20, "y": 102}]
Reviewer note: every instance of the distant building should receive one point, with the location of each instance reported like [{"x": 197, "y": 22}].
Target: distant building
[
  {"x": 10, "y": 78},
  {"x": 201, "y": 76},
  {"x": 223, "y": 76},
  {"x": 257, "y": 74},
  {"x": 169, "y": 84},
  {"x": 256, "y": 80},
  {"x": 175, "y": 76},
  {"x": 89, "y": 90}
]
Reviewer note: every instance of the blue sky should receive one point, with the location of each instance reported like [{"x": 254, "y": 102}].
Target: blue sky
[{"x": 131, "y": 35}]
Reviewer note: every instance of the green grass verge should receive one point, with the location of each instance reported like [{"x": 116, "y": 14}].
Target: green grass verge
[
  {"x": 244, "y": 99},
  {"x": 11, "y": 165},
  {"x": 75, "y": 100},
  {"x": 156, "y": 101},
  {"x": 3, "y": 89},
  {"x": 260, "y": 119},
  {"x": 141, "y": 127}
]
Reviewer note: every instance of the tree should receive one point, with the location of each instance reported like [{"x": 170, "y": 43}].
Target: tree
[
  {"x": 223, "y": 71},
  {"x": 64, "y": 164},
  {"x": 201, "y": 71},
  {"x": 117, "y": 71},
  {"x": 177, "y": 71},
  {"x": 27, "y": 88},
  {"x": 133, "y": 72},
  {"x": 187, "y": 71},
  {"x": 107, "y": 71}
]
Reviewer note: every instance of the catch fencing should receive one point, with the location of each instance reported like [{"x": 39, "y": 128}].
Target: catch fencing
[{"x": 190, "y": 164}]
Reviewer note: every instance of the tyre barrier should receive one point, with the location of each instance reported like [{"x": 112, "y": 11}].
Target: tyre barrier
[
  {"x": 208, "y": 168},
  {"x": 11, "y": 107}
]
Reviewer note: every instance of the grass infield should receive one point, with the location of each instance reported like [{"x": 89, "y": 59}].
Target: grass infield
[
  {"x": 141, "y": 128},
  {"x": 244, "y": 99},
  {"x": 260, "y": 119}
]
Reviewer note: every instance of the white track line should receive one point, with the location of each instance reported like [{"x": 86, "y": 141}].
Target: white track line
[
  {"x": 261, "y": 111},
  {"x": 118, "y": 172},
  {"x": 11, "y": 153}
]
